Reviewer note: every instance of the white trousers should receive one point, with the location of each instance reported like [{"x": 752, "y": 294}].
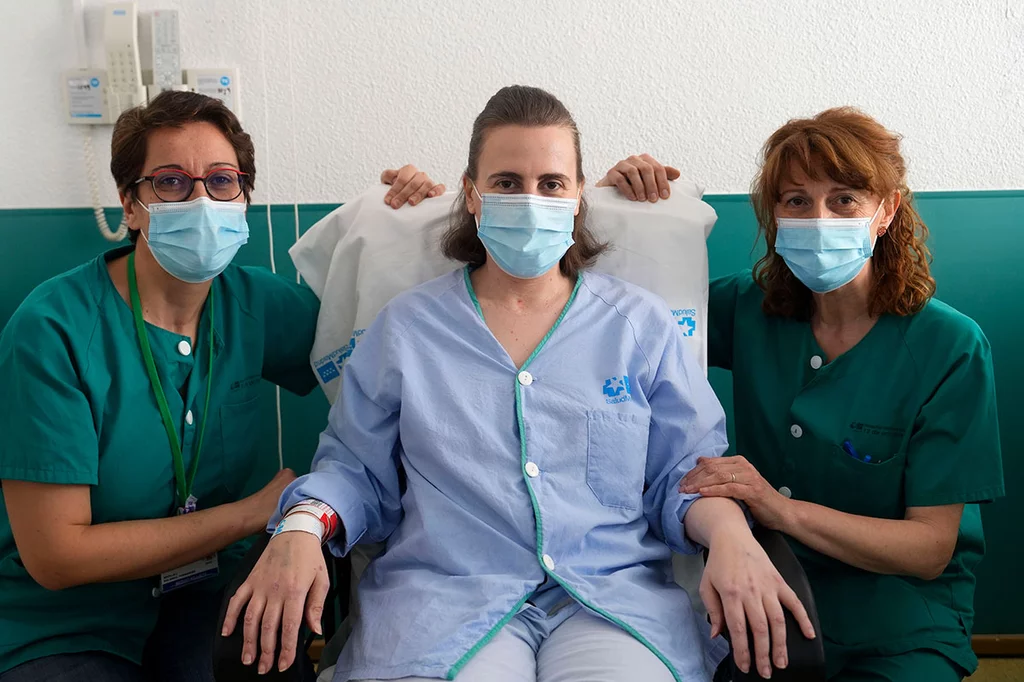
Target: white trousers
[{"x": 585, "y": 648}]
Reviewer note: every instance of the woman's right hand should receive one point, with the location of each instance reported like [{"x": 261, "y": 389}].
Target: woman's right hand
[
  {"x": 641, "y": 178},
  {"x": 261, "y": 505},
  {"x": 409, "y": 184},
  {"x": 289, "y": 580}
]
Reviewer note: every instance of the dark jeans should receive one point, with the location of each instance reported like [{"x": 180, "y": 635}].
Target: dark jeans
[
  {"x": 90, "y": 665},
  {"x": 180, "y": 649}
]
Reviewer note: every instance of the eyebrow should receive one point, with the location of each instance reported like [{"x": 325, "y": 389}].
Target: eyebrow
[
  {"x": 510, "y": 175},
  {"x": 174, "y": 166},
  {"x": 796, "y": 187}
]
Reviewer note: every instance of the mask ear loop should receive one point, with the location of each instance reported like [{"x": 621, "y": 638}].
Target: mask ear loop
[
  {"x": 885, "y": 228},
  {"x": 480, "y": 199},
  {"x": 146, "y": 208},
  {"x": 877, "y": 211}
]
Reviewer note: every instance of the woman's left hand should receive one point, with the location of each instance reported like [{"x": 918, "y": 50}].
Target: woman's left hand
[
  {"x": 737, "y": 478},
  {"x": 409, "y": 184},
  {"x": 742, "y": 589}
]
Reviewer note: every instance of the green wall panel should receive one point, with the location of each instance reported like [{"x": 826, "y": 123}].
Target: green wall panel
[{"x": 977, "y": 240}]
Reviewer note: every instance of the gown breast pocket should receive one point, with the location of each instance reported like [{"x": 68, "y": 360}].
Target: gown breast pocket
[{"x": 617, "y": 457}]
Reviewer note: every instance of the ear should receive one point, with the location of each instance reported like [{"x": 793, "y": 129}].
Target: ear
[
  {"x": 472, "y": 203},
  {"x": 892, "y": 204},
  {"x": 132, "y": 212},
  {"x": 579, "y": 197}
]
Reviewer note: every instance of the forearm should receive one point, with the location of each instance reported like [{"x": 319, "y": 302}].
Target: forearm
[
  {"x": 710, "y": 517},
  {"x": 129, "y": 550},
  {"x": 888, "y": 546}
]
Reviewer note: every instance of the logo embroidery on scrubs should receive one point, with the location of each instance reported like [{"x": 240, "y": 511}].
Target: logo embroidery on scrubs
[
  {"x": 617, "y": 390},
  {"x": 329, "y": 366},
  {"x": 687, "y": 320},
  {"x": 246, "y": 382},
  {"x": 876, "y": 430}
]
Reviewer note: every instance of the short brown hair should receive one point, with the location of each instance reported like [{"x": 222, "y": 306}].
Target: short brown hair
[
  {"x": 173, "y": 109},
  {"x": 854, "y": 149},
  {"x": 519, "y": 105}
]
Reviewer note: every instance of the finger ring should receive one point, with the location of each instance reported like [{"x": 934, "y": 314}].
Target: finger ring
[{"x": 734, "y": 478}]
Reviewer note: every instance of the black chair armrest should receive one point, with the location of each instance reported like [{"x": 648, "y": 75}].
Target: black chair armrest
[
  {"x": 806, "y": 656},
  {"x": 227, "y": 651}
]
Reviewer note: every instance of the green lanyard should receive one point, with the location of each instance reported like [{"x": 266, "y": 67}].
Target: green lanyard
[{"x": 183, "y": 486}]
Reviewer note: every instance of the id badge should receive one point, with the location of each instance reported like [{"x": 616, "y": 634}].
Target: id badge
[
  {"x": 189, "y": 574},
  {"x": 176, "y": 578},
  {"x": 190, "y": 505}
]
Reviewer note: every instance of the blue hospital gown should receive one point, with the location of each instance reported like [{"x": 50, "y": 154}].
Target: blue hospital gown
[{"x": 567, "y": 467}]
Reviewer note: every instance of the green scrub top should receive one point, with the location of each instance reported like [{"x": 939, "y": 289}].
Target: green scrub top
[
  {"x": 77, "y": 408},
  {"x": 917, "y": 397}
]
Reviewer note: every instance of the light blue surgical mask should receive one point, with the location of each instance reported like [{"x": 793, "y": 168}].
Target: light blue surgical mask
[
  {"x": 825, "y": 253},
  {"x": 195, "y": 241},
  {"x": 526, "y": 234}
]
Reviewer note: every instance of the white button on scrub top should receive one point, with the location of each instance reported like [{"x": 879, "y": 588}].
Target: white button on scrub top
[
  {"x": 184, "y": 347},
  {"x": 188, "y": 417},
  {"x": 796, "y": 430},
  {"x": 785, "y": 492},
  {"x": 815, "y": 362}
]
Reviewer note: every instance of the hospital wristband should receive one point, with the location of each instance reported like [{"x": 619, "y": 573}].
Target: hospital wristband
[
  {"x": 321, "y": 510},
  {"x": 301, "y": 522}
]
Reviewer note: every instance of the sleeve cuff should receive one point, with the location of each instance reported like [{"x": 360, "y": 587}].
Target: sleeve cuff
[
  {"x": 672, "y": 523},
  {"x": 58, "y": 476},
  {"x": 352, "y": 515},
  {"x": 938, "y": 499}
]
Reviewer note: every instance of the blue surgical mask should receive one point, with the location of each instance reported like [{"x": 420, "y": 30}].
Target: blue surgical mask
[
  {"x": 825, "y": 253},
  {"x": 526, "y": 234},
  {"x": 194, "y": 241}
]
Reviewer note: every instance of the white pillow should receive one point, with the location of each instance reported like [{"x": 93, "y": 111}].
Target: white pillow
[{"x": 364, "y": 253}]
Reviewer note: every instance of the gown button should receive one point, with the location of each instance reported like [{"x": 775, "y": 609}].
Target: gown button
[
  {"x": 815, "y": 362},
  {"x": 796, "y": 430},
  {"x": 549, "y": 563},
  {"x": 184, "y": 347},
  {"x": 532, "y": 470},
  {"x": 525, "y": 378}
]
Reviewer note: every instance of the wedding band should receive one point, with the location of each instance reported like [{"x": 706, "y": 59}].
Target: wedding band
[{"x": 734, "y": 478}]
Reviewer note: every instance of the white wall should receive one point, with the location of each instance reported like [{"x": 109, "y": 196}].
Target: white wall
[{"x": 335, "y": 90}]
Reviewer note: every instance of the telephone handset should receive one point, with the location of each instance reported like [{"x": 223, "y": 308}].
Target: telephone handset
[{"x": 121, "y": 45}]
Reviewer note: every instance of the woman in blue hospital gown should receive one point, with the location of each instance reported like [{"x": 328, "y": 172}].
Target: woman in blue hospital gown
[{"x": 541, "y": 418}]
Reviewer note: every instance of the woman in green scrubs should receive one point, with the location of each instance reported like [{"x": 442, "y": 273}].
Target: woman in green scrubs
[
  {"x": 865, "y": 409},
  {"x": 128, "y": 415}
]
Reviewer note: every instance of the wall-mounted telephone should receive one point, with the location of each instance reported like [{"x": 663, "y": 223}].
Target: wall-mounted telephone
[{"x": 98, "y": 96}]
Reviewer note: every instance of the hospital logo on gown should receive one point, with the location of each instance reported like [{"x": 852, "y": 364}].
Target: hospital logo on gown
[
  {"x": 687, "y": 320},
  {"x": 328, "y": 368},
  {"x": 616, "y": 390}
]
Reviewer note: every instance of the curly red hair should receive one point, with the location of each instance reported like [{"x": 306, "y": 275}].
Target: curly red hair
[{"x": 854, "y": 149}]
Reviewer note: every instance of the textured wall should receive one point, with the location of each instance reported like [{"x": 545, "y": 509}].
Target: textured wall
[{"x": 334, "y": 91}]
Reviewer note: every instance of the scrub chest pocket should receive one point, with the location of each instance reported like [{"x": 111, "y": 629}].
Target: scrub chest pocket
[
  {"x": 241, "y": 427},
  {"x": 867, "y": 488},
  {"x": 617, "y": 457}
]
